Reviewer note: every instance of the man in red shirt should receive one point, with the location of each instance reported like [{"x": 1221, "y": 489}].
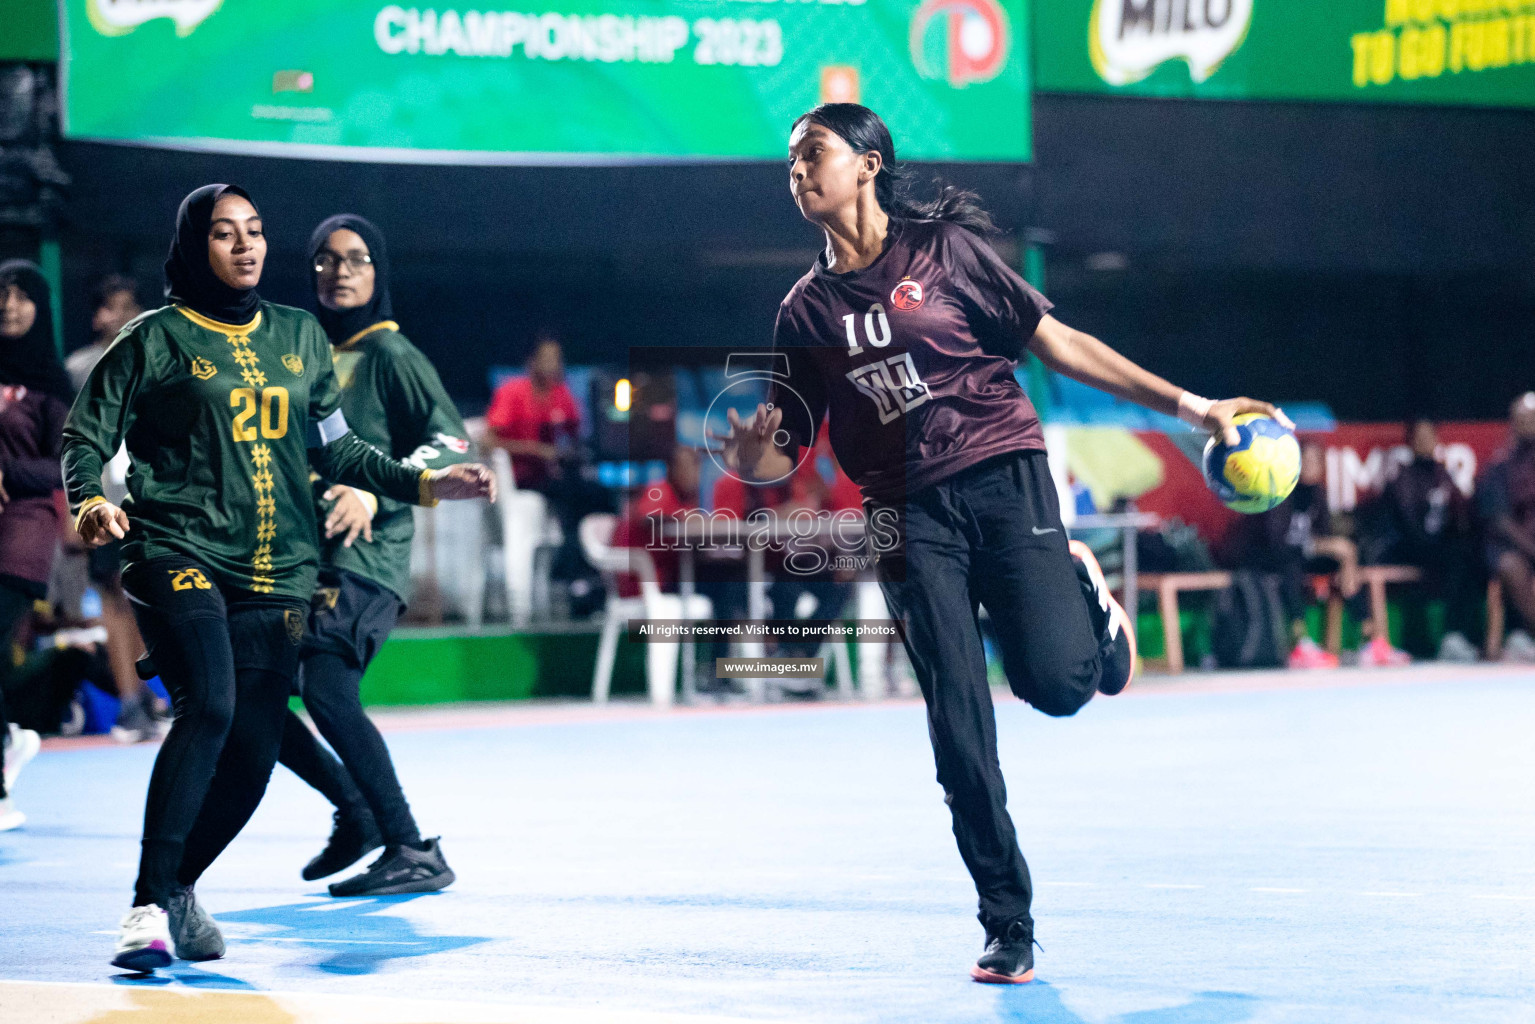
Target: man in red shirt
[
  {"x": 535, "y": 418},
  {"x": 650, "y": 509}
]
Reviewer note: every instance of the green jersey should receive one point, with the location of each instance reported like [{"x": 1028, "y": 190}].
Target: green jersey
[
  {"x": 222, "y": 423},
  {"x": 394, "y": 400}
]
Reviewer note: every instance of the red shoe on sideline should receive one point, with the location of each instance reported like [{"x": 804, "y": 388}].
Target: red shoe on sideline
[
  {"x": 1308, "y": 655},
  {"x": 1379, "y": 653}
]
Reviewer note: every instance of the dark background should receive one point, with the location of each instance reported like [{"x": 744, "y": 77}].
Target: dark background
[{"x": 1380, "y": 259}]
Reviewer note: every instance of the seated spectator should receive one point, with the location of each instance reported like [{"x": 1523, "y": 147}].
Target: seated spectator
[
  {"x": 1506, "y": 507},
  {"x": 1421, "y": 519},
  {"x": 677, "y": 494},
  {"x": 143, "y": 716},
  {"x": 806, "y": 489},
  {"x": 1295, "y": 541},
  {"x": 536, "y": 419},
  {"x": 114, "y": 302},
  {"x": 51, "y": 659}
]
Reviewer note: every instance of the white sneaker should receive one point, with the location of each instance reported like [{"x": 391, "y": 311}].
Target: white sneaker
[
  {"x": 1455, "y": 648},
  {"x": 143, "y": 940},
  {"x": 10, "y": 817},
  {"x": 1519, "y": 648},
  {"x": 23, "y": 747}
]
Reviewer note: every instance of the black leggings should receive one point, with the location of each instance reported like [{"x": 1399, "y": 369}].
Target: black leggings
[
  {"x": 228, "y": 658},
  {"x": 14, "y": 606},
  {"x": 990, "y": 535},
  {"x": 364, "y": 779},
  {"x": 351, "y": 619}
]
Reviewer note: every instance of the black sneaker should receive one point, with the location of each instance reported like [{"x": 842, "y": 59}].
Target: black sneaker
[
  {"x": 352, "y": 838},
  {"x": 1009, "y": 957},
  {"x": 1116, "y": 636},
  {"x": 401, "y": 869}
]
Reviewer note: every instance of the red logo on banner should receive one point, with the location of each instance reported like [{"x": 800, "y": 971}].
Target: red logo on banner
[{"x": 973, "y": 40}]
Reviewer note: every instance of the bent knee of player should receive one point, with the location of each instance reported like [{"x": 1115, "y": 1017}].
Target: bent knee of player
[{"x": 1058, "y": 691}]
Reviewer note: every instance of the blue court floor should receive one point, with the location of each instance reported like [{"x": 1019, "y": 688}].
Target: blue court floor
[{"x": 1355, "y": 847}]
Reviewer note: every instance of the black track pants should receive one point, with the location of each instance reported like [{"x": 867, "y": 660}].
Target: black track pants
[{"x": 990, "y": 535}]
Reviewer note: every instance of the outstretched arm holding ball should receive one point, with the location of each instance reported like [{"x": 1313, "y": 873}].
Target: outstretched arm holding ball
[{"x": 1084, "y": 358}]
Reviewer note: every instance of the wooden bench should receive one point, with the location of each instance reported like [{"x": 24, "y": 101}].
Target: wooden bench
[
  {"x": 1169, "y": 585},
  {"x": 1494, "y": 646},
  {"x": 1376, "y": 577}
]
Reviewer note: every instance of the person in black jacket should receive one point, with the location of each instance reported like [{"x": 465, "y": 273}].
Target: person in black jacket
[{"x": 1422, "y": 519}]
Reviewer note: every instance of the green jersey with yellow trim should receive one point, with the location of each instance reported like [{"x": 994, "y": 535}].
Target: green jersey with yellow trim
[
  {"x": 394, "y": 400},
  {"x": 222, "y": 423}
]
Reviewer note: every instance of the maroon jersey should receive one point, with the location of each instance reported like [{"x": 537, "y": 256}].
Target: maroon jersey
[
  {"x": 31, "y": 436},
  {"x": 913, "y": 356}
]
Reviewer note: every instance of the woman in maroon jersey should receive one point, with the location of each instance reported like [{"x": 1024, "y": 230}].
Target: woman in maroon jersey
[
  {"x": 907, "y": 331},
  {"x": 34, "y": 399}
]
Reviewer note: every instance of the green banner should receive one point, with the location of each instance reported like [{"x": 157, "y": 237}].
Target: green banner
[
  {"x": 1470, "y": 52},
  {"x": 576, "y": 81}
]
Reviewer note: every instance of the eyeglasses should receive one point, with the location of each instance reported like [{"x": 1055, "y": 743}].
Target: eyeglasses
[{"x": 326, "y": 262}]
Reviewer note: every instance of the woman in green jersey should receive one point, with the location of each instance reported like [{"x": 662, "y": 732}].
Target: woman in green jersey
[
  {"x": 224, "y": 401},
  {"x": 393, "y": 399}
]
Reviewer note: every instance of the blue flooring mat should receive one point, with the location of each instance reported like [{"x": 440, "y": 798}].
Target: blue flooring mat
[{"x": 1339, "y": 854}]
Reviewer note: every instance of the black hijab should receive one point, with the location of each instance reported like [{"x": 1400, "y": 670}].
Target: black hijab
[
  {"x": 341, "y": 324},
  {"x": 32, "y": 360},
  {"x": 189, "y": 277}
]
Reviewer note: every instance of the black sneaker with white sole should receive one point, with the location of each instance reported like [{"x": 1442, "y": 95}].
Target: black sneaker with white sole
[
  {"x": 1116, "y": 636},
  {"x": 1009, "y": 956},
  {"x": 399, "y": 870}
]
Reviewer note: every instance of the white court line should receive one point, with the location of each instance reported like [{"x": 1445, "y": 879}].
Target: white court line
[
  {"x": 1268, "y": 888},
  {"x": 1402, "y": 894}
]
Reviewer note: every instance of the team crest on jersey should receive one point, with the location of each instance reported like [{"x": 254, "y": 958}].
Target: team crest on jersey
[
  {"x": 907, "y": 295},
  {"x": 294, "y": 364},
  {"x": 202, "y": 369},
  {"x": 456, "y": 444},
  {"x": 293, "y": 625}
]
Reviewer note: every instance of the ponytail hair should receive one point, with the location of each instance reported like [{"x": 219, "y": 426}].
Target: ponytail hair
[{"x": 864, "y": 130}]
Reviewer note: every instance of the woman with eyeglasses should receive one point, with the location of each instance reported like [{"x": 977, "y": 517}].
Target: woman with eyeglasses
[
  {"x": 224, "y": 401},
  {"x": 393, "y": 399}
]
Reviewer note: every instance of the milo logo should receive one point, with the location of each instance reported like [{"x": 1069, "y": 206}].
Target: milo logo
[
  {"x": 119, "y": 17},
  {"x": 1129, "y": 39}
]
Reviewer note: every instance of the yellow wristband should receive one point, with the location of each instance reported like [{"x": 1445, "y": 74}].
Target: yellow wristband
[
  {"x": 425, "y": 484},
  {"x": 86, "y": 506}
]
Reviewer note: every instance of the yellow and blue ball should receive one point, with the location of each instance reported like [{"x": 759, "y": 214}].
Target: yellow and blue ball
[{"x": 1260, "y": 470}]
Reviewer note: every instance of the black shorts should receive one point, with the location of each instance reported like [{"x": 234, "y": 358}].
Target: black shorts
[
  {"x": 265, "y": 632},
  {"x": 104, "y": 565},
  {"x": 351, "y": 616}
]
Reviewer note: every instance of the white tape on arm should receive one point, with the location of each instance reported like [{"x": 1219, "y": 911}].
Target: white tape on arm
[
  {"x": 333, "y": 427},
  {"x": 1192, "y": 409}
]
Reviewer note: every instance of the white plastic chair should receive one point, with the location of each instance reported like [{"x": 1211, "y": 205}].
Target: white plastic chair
[
  {"x": 660, "y": 658},
  {"x": 526, "y": 526}
]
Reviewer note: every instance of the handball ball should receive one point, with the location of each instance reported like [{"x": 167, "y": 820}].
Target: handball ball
[{"x": 1260, "y": 470}]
